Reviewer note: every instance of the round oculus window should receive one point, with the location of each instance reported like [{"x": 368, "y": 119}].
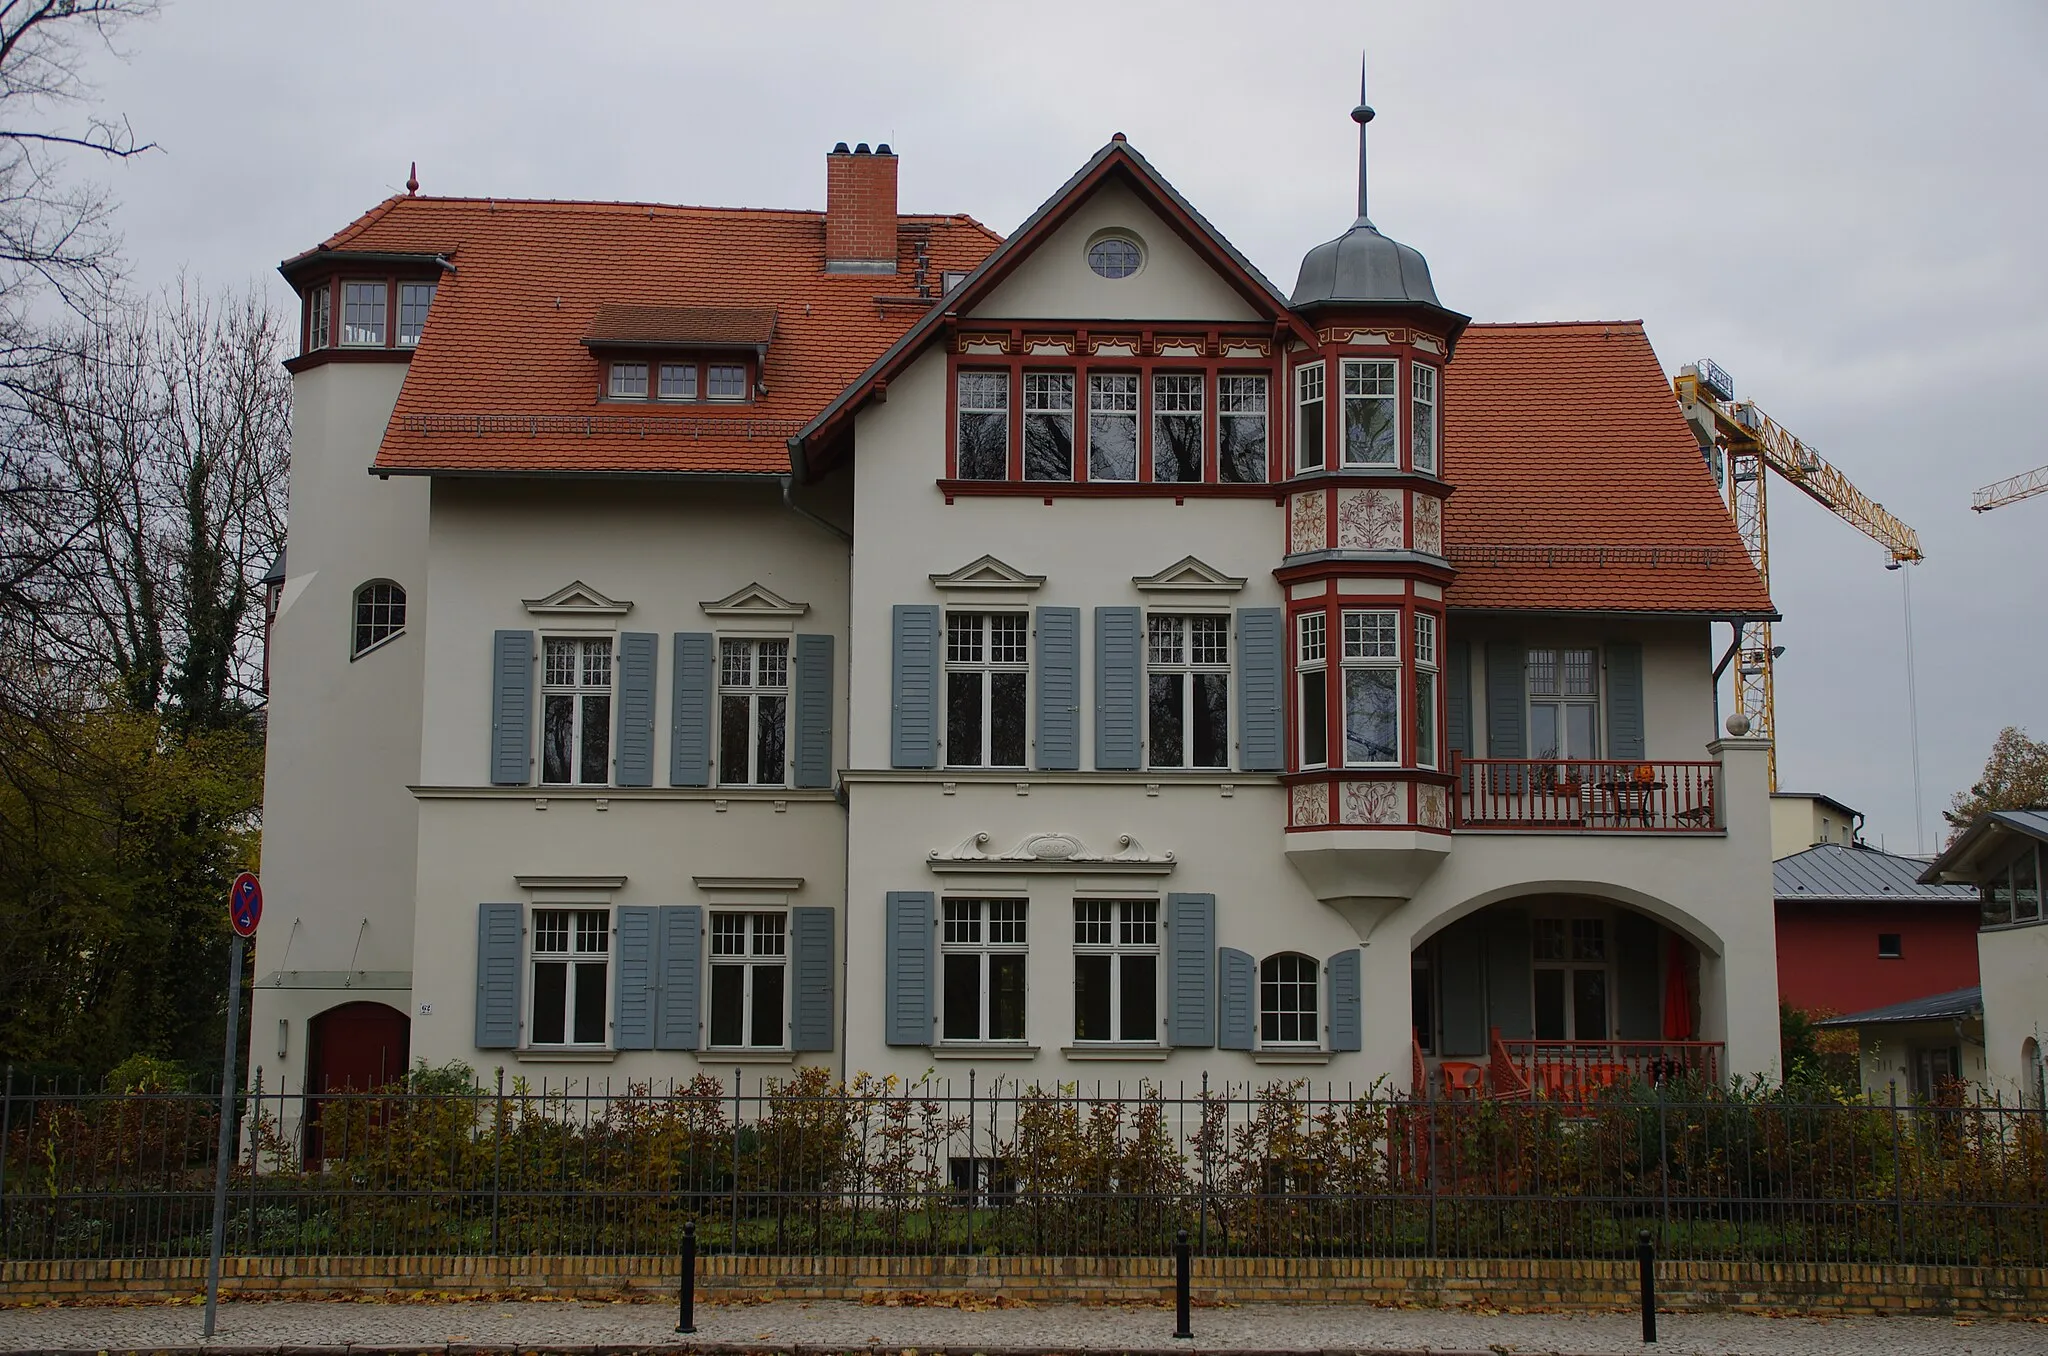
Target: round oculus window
[{"x": 1114, "y": 256}]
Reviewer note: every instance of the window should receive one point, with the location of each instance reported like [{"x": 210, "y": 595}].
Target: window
[
  {"x": 1116, "y": 970},
  {"x": 1187, "y": 709},
  {"x": 1372, "y": 687},
  {"x": 576, "y": 711},
  {"x": 1241, "y": 429},
  {"x": 1287, "y": 1001},
  {"x": 1997, "y": 895},
  {"x": 726, "y": 381},
  {"x": 982, "y": 951},
  {"x": 1114, "y": 256},
  {"x": 1422, "y": 418},
  {"x": 748, "y": 979},
  {"x": 1176, "y": 428},
  {"x": 319, "y": 313},
  {"x": 380, "y": 614},
  {"x": 629, "y": 381},
  {"x": 1309, "y": 427},
  {"x": 1563, "y": 703},
  {"x": 985, "y": 673},
  {"x": 1112, "y": 428},
  {"x": 1369, "y": 438},
  {"x": 983, "y": 446},
  {"x": 570, "y": 950},
  {"x": 1425, "y": 690},
  {"x": 1888, "y": 946},
  {"x": 1312, "y": 635},
  {"x": 414, "y": 301},
  {"x": 362, "y": 313},
  {"x": 1048, "y": 426},
  {"x": 753, "y": 712},
  {"x": 678, "y": 381},
  {"x": 2026, "y": 889},
  {"x": 1571, "y": 979}
]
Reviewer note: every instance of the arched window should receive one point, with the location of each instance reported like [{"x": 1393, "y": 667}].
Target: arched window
[
  {"x": 1114, "y": 256},
  {"x": 1287, "y": 1001},
  {"x": 380, "y": 614}
]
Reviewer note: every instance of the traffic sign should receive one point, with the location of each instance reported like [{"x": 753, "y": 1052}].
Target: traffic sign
[{"x": 245, "y": 904}]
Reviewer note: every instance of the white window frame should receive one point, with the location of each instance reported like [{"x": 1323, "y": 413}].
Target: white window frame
[
  {"x": 1428, "y": 722},
  {"x": 1423, "y": 404},
  {"x": 765, "y": 658},
  {"x": 1374, "y": 646},
  {"x": 1311, "y": 388},
  {"x": 1176, "y": 395},
  {"x": 1115, "y": 396},
  {"x": 1044, "y": 390},
  {"x": 984, "y": 927},
  {"x": 1311, "y": 666},
  {"x": 379, "y": 296},
  {"x": 389, "y": 628},
  {"x": 1172, "y": 650},
  {"x": 1119, "y": 928},
  {"x": 760, "y": 949},
  {"x": 572, "y": 957},
  {"x": 577, "y": 692},
  {"x": 1560, "y": 701},
  {"x": 692, "y": 382},
  {"x": 1575, "y": 925},
  {"x": 961, "y": 410},
  {"x": 1242, "y": 397},
  {"x": 1313, "y": 1014},
  {"x": 320, "y": 318},
  {"x": 714, "y": 373},
  {"x": 411, "y": 338},
  {"x": 628, "y": 380},
  {"x": 1015, "y": 634},
  {"x": 1366, "y": 381}
]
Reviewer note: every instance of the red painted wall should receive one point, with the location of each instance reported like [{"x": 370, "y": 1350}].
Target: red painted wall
[{"x": 1827, "y": 953}]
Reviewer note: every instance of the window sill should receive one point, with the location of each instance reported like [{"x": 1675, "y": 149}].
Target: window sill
[
  {"x": 739, "y": 1055},
  {"x": 542, "y": 1054},
  {"x": 984, "y": 1050},
  {"x": 1290, "y": 1056},
  {"x": 1110, "y": 489},
  {"x": 1126, "y": 1050}
]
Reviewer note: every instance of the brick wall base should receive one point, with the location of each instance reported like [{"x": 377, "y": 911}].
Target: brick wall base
[{"x": 1818, "y": 1288}]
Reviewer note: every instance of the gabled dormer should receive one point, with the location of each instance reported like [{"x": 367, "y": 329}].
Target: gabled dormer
[{"x": 681, "y": 355}]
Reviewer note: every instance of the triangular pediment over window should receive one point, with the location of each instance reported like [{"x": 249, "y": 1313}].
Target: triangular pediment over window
[
  {"x": 755, "y": 600},
  {"x": 1189, "y": 575},
  {"x": 578, "y": 598},
  {"x": 987, "y": 573}
]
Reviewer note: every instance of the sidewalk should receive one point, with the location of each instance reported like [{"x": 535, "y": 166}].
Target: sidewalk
[{"x": 821, "y": 1326}]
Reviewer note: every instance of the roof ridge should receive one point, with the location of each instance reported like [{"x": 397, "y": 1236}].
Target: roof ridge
[
  {"x": 1550, "y": 324},
  {"x": 634, "y": 204}
]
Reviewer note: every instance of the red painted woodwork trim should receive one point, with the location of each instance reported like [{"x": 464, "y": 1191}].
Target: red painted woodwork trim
[
  {"x": 656, "y": 359},
  {"x": 1372, "y": 569},
  {"x": 1100, "y": 489},
  {"x": 322, "y": 356},
  {"x": 1367, "y": 828}
]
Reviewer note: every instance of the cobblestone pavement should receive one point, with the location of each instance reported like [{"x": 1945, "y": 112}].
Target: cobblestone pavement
[{"x": 826, "y": 1325}]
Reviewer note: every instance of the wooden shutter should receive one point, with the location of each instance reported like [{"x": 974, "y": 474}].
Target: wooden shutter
[
  {"x": 1119, "y": 674},
  {"x": 1191, "y": 971},
  {"x": 1347, "y": 1015},
  {"x": 1507, "y": 680},
  {"x": 907, "y": 967},
  {"x": 813, "y": 1008},
  {"x": 1261, "y": 690},
  {"x": 813, "y": 681},
  {"x": 914, "y": 703},
  {"x": 678, "y": 968},
  {"x": 633, "y": 987},
  {"x": 1458, "y": 695},
  {"x": 1639, "y": 1014},
  {"x": 1624, "y": 699},
  {"x": 689, "y": 733},
  {"x": 1058, "y": 675},
  {"x": 1461, "y": 986},
  {"x": 498, "y": 929},
  {"x": 1510, "y": 971},
  {"x": 511, "y": 708},
  {"x": 634, "y": 751},
  {"x": 1237, "y": 987}
]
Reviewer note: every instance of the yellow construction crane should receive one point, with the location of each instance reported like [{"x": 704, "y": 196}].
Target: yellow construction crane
[
  {"x": 2010, "y": 491},
  {"x": 1741, "y": 442}
]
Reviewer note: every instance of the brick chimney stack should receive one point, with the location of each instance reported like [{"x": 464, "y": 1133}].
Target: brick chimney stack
[{"x": 860, "y": 210}]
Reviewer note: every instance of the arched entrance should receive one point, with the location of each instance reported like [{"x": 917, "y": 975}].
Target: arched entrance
[{"x": 351, "y": 1048}]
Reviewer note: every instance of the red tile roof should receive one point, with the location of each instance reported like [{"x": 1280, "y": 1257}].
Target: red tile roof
[
  {"x": 1579, "y": 486},
  {"x": 683, "y": 326},
  {"x": 502, "y": 382}
]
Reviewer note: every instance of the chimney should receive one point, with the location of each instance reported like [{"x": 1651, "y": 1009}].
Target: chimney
[{"x": 860, "y": 210}]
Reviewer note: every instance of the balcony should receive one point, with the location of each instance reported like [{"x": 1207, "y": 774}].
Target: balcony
[
  {"x": 1608, "y": 796},
  {"x": 1566, "y": 1071}
]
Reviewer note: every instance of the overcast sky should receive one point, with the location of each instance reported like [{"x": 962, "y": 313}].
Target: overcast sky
[{"x": 1842, "y": 203}]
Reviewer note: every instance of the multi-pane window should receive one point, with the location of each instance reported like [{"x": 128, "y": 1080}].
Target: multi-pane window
[
  {"x": 319, "y": 315},
  {"x": 2012, "y": 894},
  {"x": 1570, "y": 981},
  {"x": 1241, "y": 429},
  {"x": 982, "y": 951},
  {"x": 1048, "y": 426},
  {"x": 1422, "y": 417},
  {"x": 1176, "y": 428},
  {"x": 571, "y": 949},
  {"x": 725, "y": 381},
  {"x": 982, "y": 446},
  {"x": 1311, "y": 659},
  {"x": 986, "y": 670},
  {"x": 1425, "y": 690},
  {"x": 380, "y": 614},
  {"x": 1564, "y": 694},
  {"x": 1372, "y": 687},
  {"x": 749, "y": 979},
  {"x": 1287, "y": 1001},
  {"x": 576, "y": 711},
  {"x": 629, "y": 381},
  {"x": 753, "y": 712},
  {"x": 1308, "y": 420},
  {"x": 1112, "y": 427},
  {"x": 362, "y": 313},
  {"x": 678, "y": 381},
  {"x": 1369, "y": 422},
  {"x": 1187, "y": 708},
  {"x": 1116, "y": 970},
  {"x": 414, "y": 301},
  {"x": 1114, "y": 257}
]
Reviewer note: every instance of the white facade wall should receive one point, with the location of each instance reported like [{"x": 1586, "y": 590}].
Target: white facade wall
[{"x": 2012, "y": 966}]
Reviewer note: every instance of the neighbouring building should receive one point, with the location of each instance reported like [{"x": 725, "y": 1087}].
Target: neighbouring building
[
  {"x": 721, "y": 638},
  {"x": 1801, "y": 819},
  {"x": 1857, "y": 929},
  {"x": 1920, "y": 1049}
]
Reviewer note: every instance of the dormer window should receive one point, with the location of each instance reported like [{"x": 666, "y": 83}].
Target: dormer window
[
  {"x": 629, "y": 381},
  {"x": 681, "y": 353},
  {"x": 362, "y": 313},
  {"x": 678, "y": 381},
  {"x": 726, "y": 381}
]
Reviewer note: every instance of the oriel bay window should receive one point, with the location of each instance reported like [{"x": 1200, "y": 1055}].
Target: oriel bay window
[
  {"x": 982, "y": 447},
  {"x": 1187, "y": 709},
  {"x": 571, "y": 955},
  {"x": 362, "y": 313},
  {"x": 319, "y": 318},
  {"x": 414, "y": 301},
  {"x": 1369, "y": 423},
  {"x": 753, "y": 712},
  {"x": 1372, "y": 688},
  {"x": 1116, "y": 970},
  {"x": 1564, "y": 698},
  {"x": 1425, "y": 690},
  {"x": 1312, "y": 713},
  {"x": 576, "y": 711},
  {"x": 749, "y": 972},
  {"x": 986, "y": 673},
  {"x": 1308, "y": 416},
  {"x": 1048, "y": 426},
  {"x": 1422, "y": 418},
  {"x": 982, "y": 953}
]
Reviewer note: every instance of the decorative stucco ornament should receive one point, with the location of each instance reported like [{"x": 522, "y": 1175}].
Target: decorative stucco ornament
[
  {"x": 1049, "y": 851},
  {"x": 1737, "y": 724}
]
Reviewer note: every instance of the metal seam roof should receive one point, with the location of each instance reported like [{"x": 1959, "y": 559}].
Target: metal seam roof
[
  {"x": 1833, "y": 871},
  {"x": 1933, "y": 1008}
]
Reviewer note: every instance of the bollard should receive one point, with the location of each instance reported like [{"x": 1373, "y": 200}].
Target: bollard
[
  {"x": 1181, "y": 1267},
  {"x": 1646, "y": 1264},
  {"x": 687, "y": 1320}
]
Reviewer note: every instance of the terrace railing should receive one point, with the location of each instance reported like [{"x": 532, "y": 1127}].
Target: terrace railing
[{"x": 1609, "y": 795}]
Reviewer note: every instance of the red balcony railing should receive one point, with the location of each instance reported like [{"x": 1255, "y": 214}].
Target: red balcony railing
[
  {"x": 1579, "y": 1071},
  {"x": 1620, "y": 795}
]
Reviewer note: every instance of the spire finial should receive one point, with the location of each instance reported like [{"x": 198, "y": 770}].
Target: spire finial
[
  {"x": 412, "y": 180},
  {"x": 1361, "y": 115}
]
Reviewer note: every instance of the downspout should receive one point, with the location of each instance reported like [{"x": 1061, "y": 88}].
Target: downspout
[{"x": 1734, "y": 644}]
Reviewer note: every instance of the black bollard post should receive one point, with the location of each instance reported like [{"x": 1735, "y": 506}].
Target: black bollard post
[
  {"x": 1182, "y": 1266},
  {"x": 1646, "y": 1264},
  {"x": 688, "y": 1285}
]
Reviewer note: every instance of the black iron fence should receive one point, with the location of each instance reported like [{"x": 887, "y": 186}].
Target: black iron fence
[{"x": 801, "y": 1166}]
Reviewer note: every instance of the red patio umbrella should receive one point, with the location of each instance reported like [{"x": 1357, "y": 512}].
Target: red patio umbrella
[{"x": 1677, "y": 1003}]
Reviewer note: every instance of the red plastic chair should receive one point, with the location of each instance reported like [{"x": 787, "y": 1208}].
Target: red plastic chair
[{"x": 1462, "y": 1080}]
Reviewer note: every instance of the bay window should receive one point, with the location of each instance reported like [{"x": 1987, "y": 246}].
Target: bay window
[
  {"x": 1564, "y": 696},
  {"x": 986, "y": 672},
  {"x": 1425, "y": 690},
  {"x": 1372, "y": 688},
  {"x": 414, "y": 301},
  {"x": 1369, "y": 423},
  {"x": 362, "y": 313},
  {"x": 982, "y": 446},
  {"x": 1312, "y": 715},
  {"x": 576, "y": 711},
  {"x": 1116, "y": 970},
  {"x": 1308, "y": 416},
  {"x": 982, "y": 954},
  {"x": 1187, "y": 704},
  {"x": 1422, "y": 418},
  {"x": 319, "y": 317},
  {"x": 1241, "y": 429},
  {"x": 1176, "y": 428},
  {"x": 749, "y": 972},
  {"x": 570, "y": 958},
  {"x": 753, "y": 712},
  {"x": 1112, "y": 427},
  {"x": 1048, "y": 426}
]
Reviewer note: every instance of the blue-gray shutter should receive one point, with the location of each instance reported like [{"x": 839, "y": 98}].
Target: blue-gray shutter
[
  {"x": 1261, "y": 690},
  {"x": 914, "y": 703},
  {"x": 1237, "y": 987},
  {"x": 633, "y": 991},
  {"x": 497, "y": 976},
  {"x": 1458, "y": 695},
  {"x": 813, "y": 1008},
  {"x": 1347, "y": 1001},
  {"x": 1119, "y": 635},
  {"x": 1637, "y": 1005},
  {"x": 1058, "y": 665},
  {"x": 813, "y": 694},
  {"x": 1461, "y": 986},
  {"x": 634, "y": 751},
  {"x": 1507, "y": 700},
  {"x": 511, "y": 708},
  {"x": 907, "y": 967},
  {"x": 1509, "y": 972},
  {"x": 679, "y": 958},
  {"x": 1624, "y": 699},
  {"x": 689, "y": 726},
  {"x": 1191, "y": 970}
]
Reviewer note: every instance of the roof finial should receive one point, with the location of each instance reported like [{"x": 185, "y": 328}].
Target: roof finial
[
  {"x": 412, "y": 182},
  {"x": 1361, "y": 115}
]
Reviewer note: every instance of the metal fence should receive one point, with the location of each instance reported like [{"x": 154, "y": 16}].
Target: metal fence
[{"x": 801, "y": 1166}]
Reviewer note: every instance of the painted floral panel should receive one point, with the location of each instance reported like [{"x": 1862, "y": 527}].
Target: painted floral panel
[
  {"x": 1432, "y": 806},
  {"x": 1373, "y": 803},
  {"x": 1369, "y": 520},
  {"x": 1306, "y": 517},
  {"x": 1429, "y": 524},
  {"x": 1311, "y": 803}
]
